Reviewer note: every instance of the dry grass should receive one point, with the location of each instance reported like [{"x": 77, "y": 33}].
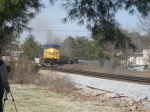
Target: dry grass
[
  {"x": 31, "y": 98},
  {"x": 55, "y": 82},
  {"x": 27, "y": 73},
  {"x": 23, "y": 71},
  {"x": 107, "y": 70}
]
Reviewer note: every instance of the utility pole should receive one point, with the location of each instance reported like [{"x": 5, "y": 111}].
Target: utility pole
[{"x": 126, "y": 50}]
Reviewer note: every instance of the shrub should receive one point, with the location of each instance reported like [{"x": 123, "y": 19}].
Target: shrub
[
  {"x": 55, "y": 82},
  {"x": 24, "y": 71}
]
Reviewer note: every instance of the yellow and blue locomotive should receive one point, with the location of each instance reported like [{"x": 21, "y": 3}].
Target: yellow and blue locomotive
[{"x": 51, "y": 55}]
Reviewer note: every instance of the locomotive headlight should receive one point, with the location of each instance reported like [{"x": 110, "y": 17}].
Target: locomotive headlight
[{"x": 51, "y": 50}]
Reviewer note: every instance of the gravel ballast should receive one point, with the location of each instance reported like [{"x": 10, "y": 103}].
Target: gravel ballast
[{"x": 113, "y": 87}]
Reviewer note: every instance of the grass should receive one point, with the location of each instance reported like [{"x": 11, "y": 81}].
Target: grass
[{"x": 30, "y": 98}]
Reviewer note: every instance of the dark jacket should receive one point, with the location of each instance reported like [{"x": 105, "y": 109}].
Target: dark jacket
[{"x": 3, "y": 76}]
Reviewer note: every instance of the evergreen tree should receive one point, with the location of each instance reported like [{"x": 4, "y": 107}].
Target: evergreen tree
[
  {"x": 99, "y": 15},
  {"x": 30, "y": 47},
  {"x": 14, "y": 17},
  {"x": 85, "y": 50}
]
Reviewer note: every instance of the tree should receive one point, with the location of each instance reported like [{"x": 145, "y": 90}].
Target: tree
[
  {"x": 94, "y": 50},
  {"x": 30, "y": 47},
  {"x": 141, "y": 41},
  {"x": 85, "y": 50},
  {"x": 14, "y": 17},
  {"x": 80, "y": 47},
  {"x": 99, "y": 15},
  {"x": 67, "y": 46},
  {"x": 144, "y": 24},
  {"x": 97, "y": 12}
]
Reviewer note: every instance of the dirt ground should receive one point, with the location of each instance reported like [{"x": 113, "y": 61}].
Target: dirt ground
[{"x": 30, "y": 98}]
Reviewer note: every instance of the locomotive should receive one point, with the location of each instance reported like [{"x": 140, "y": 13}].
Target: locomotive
[{"x": 51, "y": 55}]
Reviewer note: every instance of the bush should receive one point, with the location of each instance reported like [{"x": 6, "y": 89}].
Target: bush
[
  {"x": 24, "y": 71},
  {"x": 55, "y": 82}
]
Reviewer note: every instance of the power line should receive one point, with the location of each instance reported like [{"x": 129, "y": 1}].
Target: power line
[{"x": 62, "y": 30}]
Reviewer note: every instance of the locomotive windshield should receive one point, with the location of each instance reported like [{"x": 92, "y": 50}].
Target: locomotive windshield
[{"x": 56, "y": 46}]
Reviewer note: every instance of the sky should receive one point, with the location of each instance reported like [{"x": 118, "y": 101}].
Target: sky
[{"x": 48, "y": 27}]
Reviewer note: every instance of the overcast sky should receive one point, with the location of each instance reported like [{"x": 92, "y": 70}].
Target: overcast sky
[{"x": 48, "y": 24}]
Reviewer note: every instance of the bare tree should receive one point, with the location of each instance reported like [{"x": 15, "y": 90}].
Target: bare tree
[
  {"x": 67, "y": 46},
  {"x": 144, "y": 24}
]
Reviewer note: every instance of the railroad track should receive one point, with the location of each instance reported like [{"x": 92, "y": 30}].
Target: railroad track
[{"x": 126, "y": 78}]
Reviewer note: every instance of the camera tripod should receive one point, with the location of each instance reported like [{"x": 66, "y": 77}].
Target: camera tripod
[{"x": 5, "y": 98}]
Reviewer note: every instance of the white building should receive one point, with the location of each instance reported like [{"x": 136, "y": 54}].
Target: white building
[
  {"x": 139, "y": 60},
  {"x": 9, "y": 55}
]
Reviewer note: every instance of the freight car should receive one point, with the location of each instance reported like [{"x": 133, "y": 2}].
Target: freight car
[{"x": 51, "y": 55}]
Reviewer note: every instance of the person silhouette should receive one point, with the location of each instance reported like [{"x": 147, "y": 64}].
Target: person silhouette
[{"x": 4, "y": 85}]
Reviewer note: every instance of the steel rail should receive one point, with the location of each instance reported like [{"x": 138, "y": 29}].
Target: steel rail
[{"x": 103, "y": 75}]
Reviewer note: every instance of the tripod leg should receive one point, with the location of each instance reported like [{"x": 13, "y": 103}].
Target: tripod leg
[
  {"x": 5, "y": 98},
  {"x": 13, "y": 101}
]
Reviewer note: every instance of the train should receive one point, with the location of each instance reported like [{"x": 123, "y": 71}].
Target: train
[{"x": 51, "y": 56}]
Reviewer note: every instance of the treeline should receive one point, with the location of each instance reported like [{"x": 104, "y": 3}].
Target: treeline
[
  {"x": 80, "y": 48},
  {"x": 76, "y": 48},
  {"x": 89, "y": 49},
  {"x": 85, "y": 48}
]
